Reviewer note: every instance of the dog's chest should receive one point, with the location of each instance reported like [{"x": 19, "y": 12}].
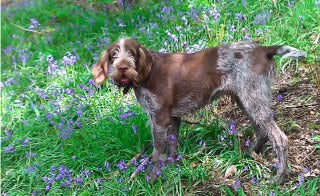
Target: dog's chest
[{"x": 147, "y": 100}]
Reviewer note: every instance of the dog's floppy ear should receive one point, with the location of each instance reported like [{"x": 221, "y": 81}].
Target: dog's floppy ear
[
  {"x": 100, "y": 70},
  {"x": 144, "y": 63}
]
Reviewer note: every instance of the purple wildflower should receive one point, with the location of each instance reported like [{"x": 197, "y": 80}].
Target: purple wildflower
[
  {"x": 202, "y": 143},
  {"x": 272, "y": 193},
  {"x": 184, "y": 44},
  {"x": 10, "y": 81},
  {"x": 127, "y": 115},
  {"x": 241, "y": 16},
  {"x": 216, "y": 16},
  {"x": 254, "y": 180},
  {"x": 248, "y": 142},
  {"x": 8, "y": 50},
  {"x": 277, "y": 166},
  {"x": 48, "y": 187},
  {"x": 10, "y": 149},
  {"x": 159, "y": 173},
  {"x": 79, "y": 181},
  {"x": 31, "y": 169},
  {"x": 301, "y": 180},
  {"x": 91, "y": 21},
  {"x": 30, "y": 155},
  {"x": 245, "y": 3},
  {"x": 121, "y": 180},
  {"x": 180, "y": 157},
  {"x": 135, "y": 162},
  {"x": 262, "y": 18},
  {"x": 135, "y": 129},
  {"x": 195, "y": 13},
  {"x": 122, "y": 166},
  {"x": 26, "y": 141},
  {"x": 148, "y": 178},
  {"x": 173, "y": 138},
  {"x": 34, "y": 24},
  {"x": 86, "y": 173},
  {"x": 222, "y": 138},
  {"x": 238, "y": 185},
  {"x": 170, "y": 159},
  {"x": 140, "y": 168},
  {"x": 233, "y": 129},
  {"x": 121, "y": 2},
  {"x": 69, "y": 59},
  {"x": 246, "y": 169},
  {"x": 248, "y": 37},
  {"x": 99, "y": 181},
  {"x": 259, "y": 31},
  {"x": 107, "y": 166},
  {"x": 73, "y": 157},
  {"x": 280, "y": 98}
]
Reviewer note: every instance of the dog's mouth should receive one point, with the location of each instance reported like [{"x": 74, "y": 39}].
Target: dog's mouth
[{"x": 124, "y": 81}]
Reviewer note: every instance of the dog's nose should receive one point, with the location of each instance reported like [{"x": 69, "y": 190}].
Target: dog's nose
[{"x": 123, "y": 69}]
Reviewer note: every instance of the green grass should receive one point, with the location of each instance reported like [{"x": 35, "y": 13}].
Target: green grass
[{"x": 97, "y": 133}]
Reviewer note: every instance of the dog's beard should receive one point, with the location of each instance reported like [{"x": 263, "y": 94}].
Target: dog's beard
[{"x": 125, "y": 80}]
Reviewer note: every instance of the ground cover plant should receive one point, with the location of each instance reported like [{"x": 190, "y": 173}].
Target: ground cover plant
[{"x": 62, "y": 134}]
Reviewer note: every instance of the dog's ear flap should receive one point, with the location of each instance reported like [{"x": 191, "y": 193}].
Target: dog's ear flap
[
  {"x": 100, "y": 70},
  {"x": 144, "y": 63}
]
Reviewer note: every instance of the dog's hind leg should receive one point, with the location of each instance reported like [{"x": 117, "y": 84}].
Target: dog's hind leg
[{"x": 258, "y": 108}]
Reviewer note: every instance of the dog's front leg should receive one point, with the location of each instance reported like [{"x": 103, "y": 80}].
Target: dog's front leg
[
  {"x": 173, "y": 135},
  {"x": 161, "y": 124}
]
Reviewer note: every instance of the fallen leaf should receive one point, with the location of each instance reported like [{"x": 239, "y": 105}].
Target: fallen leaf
[{"x": 230, "y": 172}]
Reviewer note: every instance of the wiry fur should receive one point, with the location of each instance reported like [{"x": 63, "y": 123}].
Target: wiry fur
[{"x": 169, "y": 86}]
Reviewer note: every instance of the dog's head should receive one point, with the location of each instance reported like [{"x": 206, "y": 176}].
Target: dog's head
[{"x": 128, "y": 62}]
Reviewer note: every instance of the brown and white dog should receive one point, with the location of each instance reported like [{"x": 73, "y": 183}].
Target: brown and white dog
[{"x": 169, "y": 86}]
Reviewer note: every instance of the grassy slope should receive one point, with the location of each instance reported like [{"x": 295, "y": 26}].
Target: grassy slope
[{"x": 102, "y": 135}]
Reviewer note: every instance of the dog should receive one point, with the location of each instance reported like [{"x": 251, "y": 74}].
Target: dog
[{"x": 171, "y": 85}]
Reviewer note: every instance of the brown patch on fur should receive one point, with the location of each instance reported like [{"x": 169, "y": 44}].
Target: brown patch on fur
[
  {"x": 263, "y": 61},
  {"x": 238, "y": 55}
]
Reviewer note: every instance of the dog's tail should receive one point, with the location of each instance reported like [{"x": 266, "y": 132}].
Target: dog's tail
[{"x": 285, "y": 51}]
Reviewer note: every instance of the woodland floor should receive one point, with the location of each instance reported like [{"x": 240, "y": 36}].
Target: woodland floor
[{"x": 297, "y": 115}]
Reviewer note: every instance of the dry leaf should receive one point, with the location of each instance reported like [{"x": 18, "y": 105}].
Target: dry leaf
[{"x": 230, "y": 172}]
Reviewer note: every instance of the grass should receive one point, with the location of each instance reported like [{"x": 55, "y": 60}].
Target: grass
[{"x": 65, "y": 120}]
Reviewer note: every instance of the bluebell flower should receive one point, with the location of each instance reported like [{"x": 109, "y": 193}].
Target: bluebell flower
[
  {"x": 31, "y": 169},
  {"x": 34, "y": 24},
  {"x": 262, "y": 18},
  {"x": 10, "y": 149},
  {"x": 79, "y": 181},
  {"x": 135, "y": 129},
  {"x": 233, "y": 130},
  {"x": 241, "y": 16},
  {"x": 159, "y": 173},
  {"x": 148, "y": 178},
  {"x": 107, "y": 166},
  {"x": 8, "y": 50},
  {"x": 122, "y": 165},
  {"x": 30, "y": 155},
  {"x": 238, "y": 184},
  {"x": 127, "y": 115},
  {"x": 173, "y": 138},
  {"x": 99, "y": 181},
  {"x": 248, "y": 142},
  {"x": 300, "y": 180},
  {"x": 180, "y": 157},
  {"x": 69, "y": 59},
  {"x": 280, "y": 98}
]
